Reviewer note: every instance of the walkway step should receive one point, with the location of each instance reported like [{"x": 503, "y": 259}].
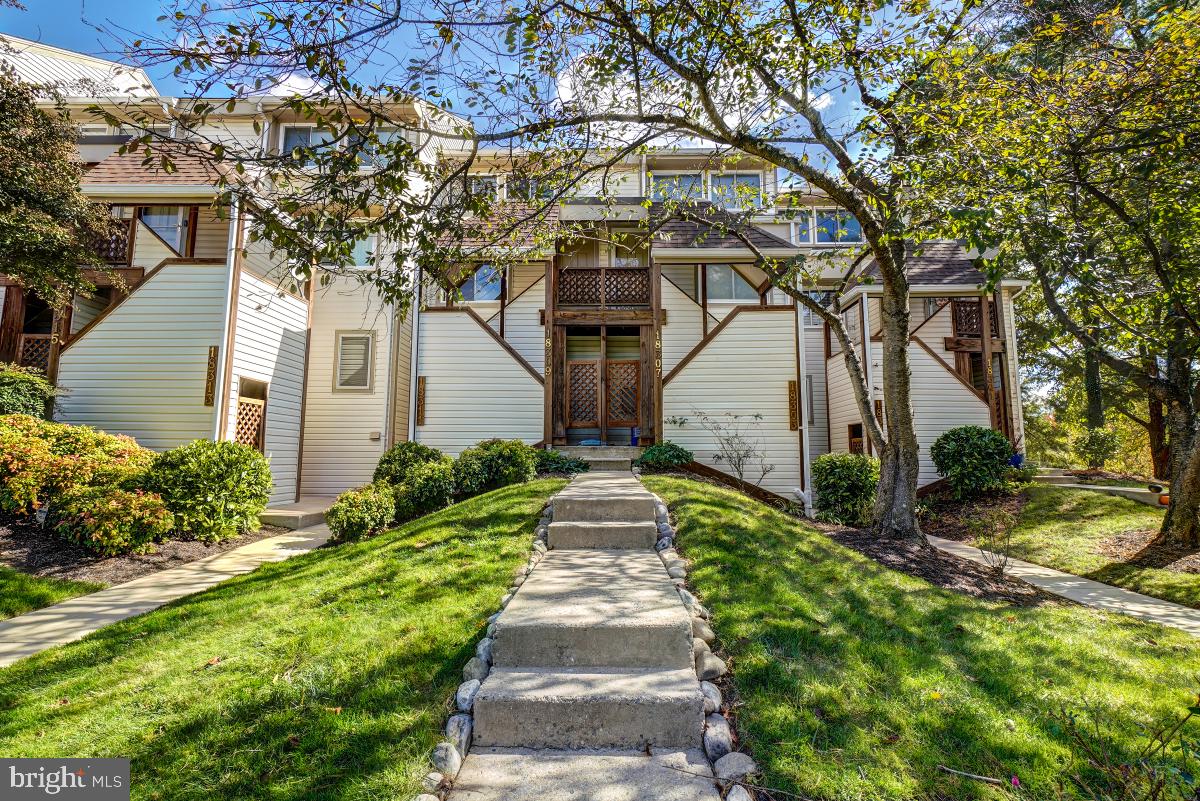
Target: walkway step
[
  {"x": 595, "y": 608},
  {"x": 604, "y": 496},
  {"x": 601, "y": 451},
  {"x": 506, "y": 774},
  {"x": 589, "y": 708},
  {"x": 1055, "y": 478},
  {"x": 602, "y": 534},
  {"x": 597, "y": 465}
]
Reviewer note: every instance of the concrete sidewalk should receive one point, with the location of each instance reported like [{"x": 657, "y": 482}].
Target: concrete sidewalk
[
  {"x": 70, "y": 620},
  {"x": 1104, "y": 597}
]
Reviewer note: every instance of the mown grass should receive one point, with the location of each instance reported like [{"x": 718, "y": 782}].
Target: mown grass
[
  {"x": 327, "y": 676},
  {"x": 21, "y": 593},
  {"x": 856, "y": 682},
  {"x": 1065, "y": 529}
]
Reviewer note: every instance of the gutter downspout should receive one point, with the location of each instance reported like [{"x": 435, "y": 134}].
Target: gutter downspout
[
  {"x": 803, "y": 400},
  {"x": 225, "y": 356},
  {"x": 415, "y": 311}
]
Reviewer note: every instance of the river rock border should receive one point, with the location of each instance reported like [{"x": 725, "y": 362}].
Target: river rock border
[
  {"x": 730, "y": 768},
  {"x": 448, "y": 755}
]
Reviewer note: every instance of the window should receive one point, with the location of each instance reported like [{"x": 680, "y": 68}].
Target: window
[
  {"x": 363, "y": 254},
  {"x": 528, "y": 189},
  {"x": 852, "y": 320},
  {"x": 723, "y": 283},
  {"x": 628, "y": 251},
  {"x": 485, "y": 185},
  {"x": 306, "y": 137},
  {"x": 825, "y": 299},
  {"x": 834, "y": 225},
  {"x": 855, "y": 435},
  {"x": 932, "y": 305},
  {"x": 169, "y": 222},
  {"x": 682, "y": 186},
  {"x": 737, "y": 190},
  {"x": 804, "y": 226},
  {"x": 355, "y": 357},
  {"x": 374, "y": 153},
  {"x": 483, "y": 284}
]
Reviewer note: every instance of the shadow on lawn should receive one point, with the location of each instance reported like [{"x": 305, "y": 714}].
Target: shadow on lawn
[{"x": 325, "y": 676}]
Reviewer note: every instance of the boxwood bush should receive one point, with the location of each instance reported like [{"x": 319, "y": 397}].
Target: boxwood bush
[
  {"x": 395, "y": 463},
  {"x": 663, "y": 456},
  {"x": 429, "y": 487},
  {"x": 844, "y": 487},
  {"x": 110, "y": 521},
  {"x": 215, "y": 489},
  {"x": 492, "y": 464},
  {"x": 24, "y": 390},
  {"x": 973, "y": 459},
  {"x": 358, "y": 513},
  {"x": 552, "y": 462}
]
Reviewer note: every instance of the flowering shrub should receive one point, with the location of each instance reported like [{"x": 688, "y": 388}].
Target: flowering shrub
[
  {"x": 112, "y": 521},
  {"x": 359, "y": 512}
]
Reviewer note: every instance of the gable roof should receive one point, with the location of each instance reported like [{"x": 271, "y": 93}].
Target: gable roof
[
  {"x": 677, "y": 234},
  {"x": 934, "y": 263},
  {"x": 73, "y": 73}
]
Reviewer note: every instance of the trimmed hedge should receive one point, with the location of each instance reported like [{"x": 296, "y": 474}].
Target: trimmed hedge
[
  {"x": 663, "y": 456},
  {"x": 430, "y": 486},
  {"x": 215, "y": 489},
  {"x": 492, "y": 464},
  {"x": 973, "y": 459},
  {"x": 24, "y": 390},
  {"x": 111, "y": 521},
  {"x": 395, "y": 463},
  {"x": 555, "y": 462},
  {"x": 358, "y": 513},
  {"x": 844, "y": 487}
]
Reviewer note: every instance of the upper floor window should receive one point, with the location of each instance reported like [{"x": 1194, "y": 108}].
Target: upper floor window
[
  {"x": 485, "y": 185},
  {"x": 723, "y": 283},
  {"x": 483, "y": 284},
  {"x": 363, "y": 253},
  {"x": 169, "y": 222},
  {"x": 835, "y": 225},
  {"x": 822, "y": 297},
  {"x": 677, "y": 186},
  {"x": 375, "y": 153},
  {"x": 737, "y": 190},
  {"x": 527, "y": 189},
  {"x": 934, "y": 305},
  {"x": 302, "y": 137}
]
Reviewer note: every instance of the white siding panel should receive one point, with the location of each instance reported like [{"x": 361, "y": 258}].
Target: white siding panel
[
  {"x": 474, "y": 389},
  {"x": 140, "y": 371},
  {"x": 684, "y": 328},
  {"x": 402, "y": 377},
  {"x": 212, "y": 234},
  {"x": 83, "y": 310},
  {"x": 744, "y": 370},
  {"x": 269, "y": 340},
  {"x": 523, "y": 327},
  {"x": 148, "y": 249},
  {"x": 940, "y": 402},
  {"x": 1014, "y": 375},
  {"x": 843, "y": 409},
  {"x": 345, "y": 431},
  {"x": 814, "y": 365}
]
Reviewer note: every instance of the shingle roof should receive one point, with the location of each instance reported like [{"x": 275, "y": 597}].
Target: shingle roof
[
  {"x": 936, "y": 263},
  {"x": 72, "y": 73},
  {"x": 712, "y": 230},
  {"x": 128, "y": 168}
]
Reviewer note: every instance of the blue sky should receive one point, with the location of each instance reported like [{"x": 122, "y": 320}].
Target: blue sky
[{"x": 76, "y": 25}]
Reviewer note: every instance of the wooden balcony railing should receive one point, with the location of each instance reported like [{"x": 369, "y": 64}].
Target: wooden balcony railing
[
  {"x": 604, "y": 287},
  {"x": 968, "y": 319},
  {"x": 33, "y": 350},
  {"x": 115, "y": 249}
]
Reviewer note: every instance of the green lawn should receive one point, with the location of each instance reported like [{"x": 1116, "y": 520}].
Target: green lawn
[
  {"x": 327, "y": 676},
  {"x": 856, "y": 682},
  {"x": 1064, "y": 529},
  {"x": 21, "y": 593}
]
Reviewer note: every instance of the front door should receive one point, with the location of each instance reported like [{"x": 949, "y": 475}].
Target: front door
[
  {"x": 622, "y": 393},
  {"x": 603, "y": 393}
]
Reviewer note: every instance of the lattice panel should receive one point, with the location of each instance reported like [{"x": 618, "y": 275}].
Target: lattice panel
[
  {"x": 250, "y": 416},
  {"x": 968, "y": 318},
  {"x": 583, "y": 394},
  {"x": 624, "y": 379},
  {"x": 35, "y": 351},
  {"x": 115, "y": 248},
  {"x": 626, "y": 287},
  {"x": 579, "y": 287}
]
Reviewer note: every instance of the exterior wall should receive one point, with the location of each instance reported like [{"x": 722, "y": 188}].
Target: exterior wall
[
  {"x": 683, "y": 276},
  {"x": 745, "y": 370},
  {"x": 345, "y": 431},
  {"x": 843, "y": 410},
  {"x": 83, "y": 310},
  {"x": 474, "y": 389},
  {"x": 1014, "y": 375},
  {"x": 523, "y": 327},
  {"x": 270, "y": 332},
  {"x": 816, "y": 399},
  {"x": 212, "y": 234},
  {"x": 684, "y": 328},
  {"x": 141, "y": 370},
  {"x": 940, "y": 402},
  {"x": 402, "y": 377},
  {"x": 148, "y": 249}
]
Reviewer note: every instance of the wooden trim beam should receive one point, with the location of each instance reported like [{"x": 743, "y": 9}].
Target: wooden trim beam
[
  {"x": 949, "y": 369},
  {"x": 710, "y": 336},
  {"x": 474, "y": 315},
  {"x": 972, "y": 344},
  {"x": 721, "y": 477}
]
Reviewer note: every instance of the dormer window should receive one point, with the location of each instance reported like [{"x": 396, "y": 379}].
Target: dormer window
[
  {"x": 677, "y": 186},
  {"x": 737, "y": 190},
  {"x": 482, "y": 285}
]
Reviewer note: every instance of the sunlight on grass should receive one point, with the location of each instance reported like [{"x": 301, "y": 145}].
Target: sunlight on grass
[
  {"x": 325, "y": 676},
  {"x": 21, "y": 593},
  {"x": 856, "y": 682}
]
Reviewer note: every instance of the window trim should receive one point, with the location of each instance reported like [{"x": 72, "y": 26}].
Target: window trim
[
  {"x": 373, "y": 339},
  {"x": 283, "y": 129},
  {"x": 654, "y": 175},
  {"x": 762, "y": 189}
]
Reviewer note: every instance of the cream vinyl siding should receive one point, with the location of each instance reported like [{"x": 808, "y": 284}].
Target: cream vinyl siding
[
  {"x": 402, "y": 377},
  {"x": 339, "y": 425},
  {"x": 817, "y": 434},
  {"x": 683, "y": 276},
  {"x": 148, "y": 249},
  {"x": 940, "y": 402},
  {"x": 474, "y": 389},
  {"x": 141, "y": 370},
  {"x": 212, "y": 234},
  {"x": 843, "y": 409},
  {"x": 523, "y": 327},
  {"x": 269, "y": 337},
  {"x": 745, "y": 369},
  {"x": 684, "y": 328},
  {"x": 83, "y": 310},
  {"x": 1013, "y": 379},
  {"x": 240, "y": 132}
]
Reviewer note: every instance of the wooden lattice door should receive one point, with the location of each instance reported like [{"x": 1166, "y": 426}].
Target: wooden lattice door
[
  {"x": 583, "y": 393},
  {"x": 623, "y": 384}
]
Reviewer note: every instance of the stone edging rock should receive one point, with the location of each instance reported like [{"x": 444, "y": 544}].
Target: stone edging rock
[
  {"x": 730, "y": 768},
  {"x": 448, "y": 755}
]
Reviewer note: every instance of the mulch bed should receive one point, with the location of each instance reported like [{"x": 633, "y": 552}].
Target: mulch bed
[
  {"x": 1136, "y": 548},
  {"x": 950, "y": 519},
  {"x": 28, "y": 548}
]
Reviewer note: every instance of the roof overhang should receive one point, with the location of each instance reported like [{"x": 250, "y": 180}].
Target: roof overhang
[
  {"x": 150, "y": 191},
  {"x": 934, "y": 290},
  {"x": 686, "y": 255}
]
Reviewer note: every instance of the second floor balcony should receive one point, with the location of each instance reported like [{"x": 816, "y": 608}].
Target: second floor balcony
[{"x": 604, "y": 287}]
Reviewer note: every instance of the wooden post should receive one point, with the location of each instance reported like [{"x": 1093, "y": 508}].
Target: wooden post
[
  {"x": 12, "y": 322},
  {"x": 985, "y": 338},
  {"x": 704, "y": 295},
  {"x": 602, "y": 405},
  {"x": 503, "y": 293},
  {"x": 548, "y": 366}
]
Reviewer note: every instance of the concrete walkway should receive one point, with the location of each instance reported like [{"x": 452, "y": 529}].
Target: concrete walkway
[
  {"x": 71, "y": 620},
  {"x": 1104, "y": 597}
]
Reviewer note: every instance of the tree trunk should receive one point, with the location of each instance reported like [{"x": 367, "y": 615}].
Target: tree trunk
[
  {"x": 1160, "y": 453},
  {"x": 896, "y": 496},
  {"x": 1181, "y": 526},
  {"x": 1092, "y": 389}
]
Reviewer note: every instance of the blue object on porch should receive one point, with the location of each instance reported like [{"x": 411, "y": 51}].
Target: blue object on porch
[
  {"x": 1017, "y": 460},
  {"x": 591, "y": 442},
  {"x": 634, "y": 433}
]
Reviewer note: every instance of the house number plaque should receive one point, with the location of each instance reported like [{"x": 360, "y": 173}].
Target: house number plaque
[{"x": 210, "y": 376}]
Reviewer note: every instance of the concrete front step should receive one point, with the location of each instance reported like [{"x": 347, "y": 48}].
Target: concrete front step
[
  {"x": 597, "y": 465},
  {"x": 589, "y": 708},
  {"x": 308, "y": 511},
  {"x": 511, "y": 774},
  {"x": 595, "y": 608},
  {"x": 588, "y": 452},
  {"x": 1055, "y": 478},
  {"x": 604, "y": 496},
  {"x": 605, "y": 534}
]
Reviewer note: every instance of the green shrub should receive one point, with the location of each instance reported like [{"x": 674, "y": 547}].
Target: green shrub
[
  {"x": 663, "y": 456},
  {"x": 214, "y": 489},
  {"x": 111, "y": 521},
  {"x": 492, "y": 464},
  {"x": 844, "y": 487},
  {"x": 430, "y": 486},
  {"x": 395, "y": 463},
  {"x": 24, "y": 390},
  {"x": 1020, "y": 475},
  {"x": 552, "y": 462},
  {"x": 973, "y": 459},
  {"x": 1096, "y": 446},
  {"x": 360, "y": 512}
]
